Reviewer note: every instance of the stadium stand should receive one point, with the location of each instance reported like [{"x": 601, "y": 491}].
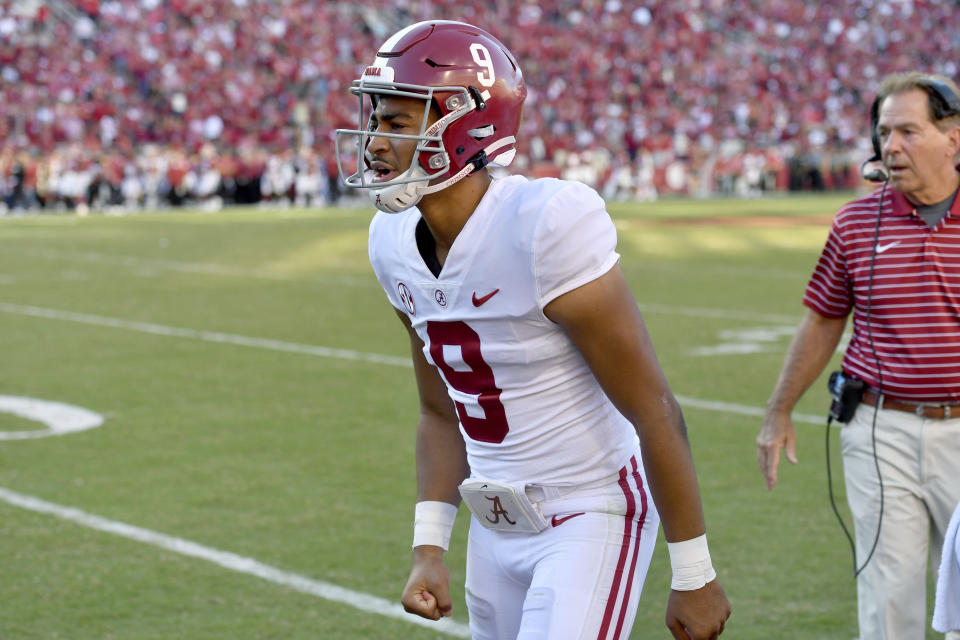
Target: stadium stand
[{"x": 143, "y": 103}]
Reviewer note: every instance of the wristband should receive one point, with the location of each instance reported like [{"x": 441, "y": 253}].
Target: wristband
[
  {"x": 433, "y": 523},
  {"x": 691, "y": 564}
]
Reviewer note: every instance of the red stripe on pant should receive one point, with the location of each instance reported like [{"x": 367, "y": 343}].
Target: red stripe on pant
[{"x": 608, "y": 613}]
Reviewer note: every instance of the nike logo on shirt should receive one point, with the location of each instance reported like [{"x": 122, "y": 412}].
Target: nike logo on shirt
[
  {"x": 883, "y": 247},
  {"x": 555, "y": 521},
  {"x": 479, "y": 301}
]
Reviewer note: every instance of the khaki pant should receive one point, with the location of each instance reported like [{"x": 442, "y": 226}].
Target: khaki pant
[{"x": 920, "y": 466}]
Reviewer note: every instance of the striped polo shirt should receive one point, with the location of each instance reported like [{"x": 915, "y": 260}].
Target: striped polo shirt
[{"x": 915, "y": 307}]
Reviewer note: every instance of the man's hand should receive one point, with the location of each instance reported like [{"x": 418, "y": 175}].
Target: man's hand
[
  {"x": 698, "y": 615},
  {"x": 777, "y": 433},
  {"x": 427, "y": 593}
]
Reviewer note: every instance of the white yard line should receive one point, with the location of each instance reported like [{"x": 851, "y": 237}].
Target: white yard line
[
  {"x": 195, "y": 334},
  {"x": 314, "y": 350},
  {"x": 327, "y": 591},
  {"x": 742, "y": 409}
]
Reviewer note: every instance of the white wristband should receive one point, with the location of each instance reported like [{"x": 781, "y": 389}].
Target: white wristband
[
  {"x": 691, "y": 564},
  {"x": 433, "y": 523}
]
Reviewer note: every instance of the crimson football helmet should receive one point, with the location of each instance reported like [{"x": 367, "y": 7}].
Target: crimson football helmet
[{"x": 474, "y": 82}]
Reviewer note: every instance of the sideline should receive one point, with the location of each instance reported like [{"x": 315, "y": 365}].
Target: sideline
[{"x": 362, "y": 601}]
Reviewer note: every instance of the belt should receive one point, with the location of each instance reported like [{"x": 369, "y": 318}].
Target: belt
[{"x": 930, "y": 410}]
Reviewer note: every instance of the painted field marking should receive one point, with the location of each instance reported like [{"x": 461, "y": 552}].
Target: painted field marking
[
  {"x": 306, "y": 349},
  {"x": 729, "y": 407},
  {"x": 59, "y": 417},
  {"x": 208, "y": 336},
  {"x": 751, "y": 340},
  {"x": 327, "y": 591}
]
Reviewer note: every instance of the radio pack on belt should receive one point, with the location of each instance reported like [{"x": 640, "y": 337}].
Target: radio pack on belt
[{"x": 845, "y": 392}]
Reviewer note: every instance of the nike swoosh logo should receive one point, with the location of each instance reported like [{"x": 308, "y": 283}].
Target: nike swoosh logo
[
  {"x": 555, "y": 521},
  {"x": 883, "y": 247},
  {"x": 479, "y": 301}
]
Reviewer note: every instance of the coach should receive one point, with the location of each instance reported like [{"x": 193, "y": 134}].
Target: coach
[{"x": 893, "y": 257}]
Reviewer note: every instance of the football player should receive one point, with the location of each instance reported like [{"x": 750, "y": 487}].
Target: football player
[{"x": 542, "y": 403}]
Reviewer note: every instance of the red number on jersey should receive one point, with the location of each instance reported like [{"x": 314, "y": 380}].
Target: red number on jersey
[{"x": 478, "y": 381}]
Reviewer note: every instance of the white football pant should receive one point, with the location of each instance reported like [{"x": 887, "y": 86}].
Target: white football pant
[{"x": 578, "y": 579}]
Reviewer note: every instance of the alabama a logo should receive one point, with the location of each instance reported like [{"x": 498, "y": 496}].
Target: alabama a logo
[{"x": 497, "y": 510}]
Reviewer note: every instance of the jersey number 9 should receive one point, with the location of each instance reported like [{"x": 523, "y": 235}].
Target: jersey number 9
[{"x": 478, "y": 381}]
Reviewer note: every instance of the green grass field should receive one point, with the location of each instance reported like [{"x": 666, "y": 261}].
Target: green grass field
[{"x": 238, "y": 361}]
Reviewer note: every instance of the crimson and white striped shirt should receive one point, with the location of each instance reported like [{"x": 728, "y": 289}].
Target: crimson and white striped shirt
[{"x": 915, "y": 302}]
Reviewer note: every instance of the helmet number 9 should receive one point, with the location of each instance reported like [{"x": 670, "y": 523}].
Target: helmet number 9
[{"x": 482, "y": 57}]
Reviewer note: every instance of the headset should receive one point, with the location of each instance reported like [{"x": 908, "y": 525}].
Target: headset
[{"x": 944, "y": 103}]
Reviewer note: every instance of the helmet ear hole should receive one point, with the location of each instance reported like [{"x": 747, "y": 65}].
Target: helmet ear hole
[{"x": 482, "y": 132}]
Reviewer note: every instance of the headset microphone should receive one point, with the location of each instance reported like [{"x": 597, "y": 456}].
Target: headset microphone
[{"x": 877, "y": 175}]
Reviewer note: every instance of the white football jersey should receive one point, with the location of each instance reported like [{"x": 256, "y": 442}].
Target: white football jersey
[{"x": 530, "y": 409}]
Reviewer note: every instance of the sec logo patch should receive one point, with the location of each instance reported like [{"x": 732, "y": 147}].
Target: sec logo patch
[{"x": 407, "y": 298}]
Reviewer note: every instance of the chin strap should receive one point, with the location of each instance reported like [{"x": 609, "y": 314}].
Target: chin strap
[{"x": 401, "y": 197}]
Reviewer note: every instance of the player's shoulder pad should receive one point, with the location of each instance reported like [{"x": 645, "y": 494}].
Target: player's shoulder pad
[
  {"x": 387, "y": 230},
  {"x": 548, "y": 196},
  {"x": 547, "y": 190}
]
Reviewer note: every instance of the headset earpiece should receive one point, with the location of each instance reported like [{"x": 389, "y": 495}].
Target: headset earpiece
[
  {"x": 874, "y": 135},
  {"x": 872, "y": 169},
  {"x": 945, "y": 104}
]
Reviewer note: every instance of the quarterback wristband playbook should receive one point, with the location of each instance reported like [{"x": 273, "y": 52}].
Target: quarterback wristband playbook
[
  {"x": 433, "y": 523},
  {"x": 691, "y": 564}
]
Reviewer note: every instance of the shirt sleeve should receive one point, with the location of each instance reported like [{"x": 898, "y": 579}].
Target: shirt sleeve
[
  {"x": 575, "y": 242},
  {"x": 829, "y": 291}
]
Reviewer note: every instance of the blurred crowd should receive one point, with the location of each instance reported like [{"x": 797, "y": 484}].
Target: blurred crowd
[{"x": 136, "y": 103}]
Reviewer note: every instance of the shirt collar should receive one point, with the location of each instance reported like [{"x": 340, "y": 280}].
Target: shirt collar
[{"x": 900, "y": 206}]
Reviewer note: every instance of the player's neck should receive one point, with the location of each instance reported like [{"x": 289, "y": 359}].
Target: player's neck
[{"x": 446, "y": 212}]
